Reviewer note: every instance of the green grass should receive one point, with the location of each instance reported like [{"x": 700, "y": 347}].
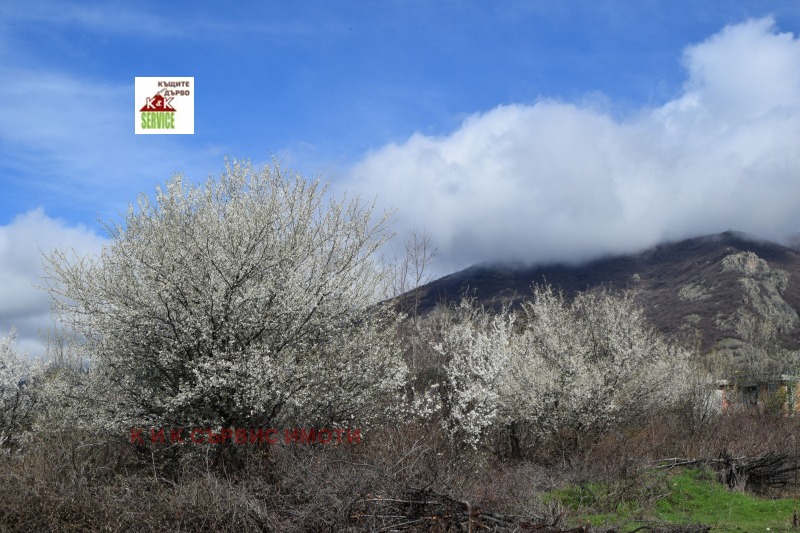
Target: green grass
[
  {"x": 696, "y": 497},
  {"x": 688, "y": 497}
]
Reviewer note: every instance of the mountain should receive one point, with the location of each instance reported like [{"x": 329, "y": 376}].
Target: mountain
[{"x": 704, "y": 284}]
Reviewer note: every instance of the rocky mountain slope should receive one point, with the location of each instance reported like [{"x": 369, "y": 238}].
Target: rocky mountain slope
[{"x": 699, "y": 288}]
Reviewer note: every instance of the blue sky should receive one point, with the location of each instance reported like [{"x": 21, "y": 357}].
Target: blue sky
[
  {"x": 319, "y": 83},
  {"x": 539, "y": 130}
]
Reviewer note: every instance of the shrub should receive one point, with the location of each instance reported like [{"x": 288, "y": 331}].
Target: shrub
[
  {"x": 246, "y": 301},
  {"x": 569, "y": 369},
  {"x": 17, "y": 394}
]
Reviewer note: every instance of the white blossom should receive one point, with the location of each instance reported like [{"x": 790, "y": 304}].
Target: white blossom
[
  {"x": 475, "y": 346},
  {"x": 249, "y": 300},
  {"x": 588, "y": 364},
  {"x": 17, "y": 399},
  {"x": 580, "y": 366}
]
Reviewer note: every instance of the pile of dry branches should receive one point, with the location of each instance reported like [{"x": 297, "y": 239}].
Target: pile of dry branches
[
  {"x": 419, "y": 509},
  {"x": 768, "y": 471}
]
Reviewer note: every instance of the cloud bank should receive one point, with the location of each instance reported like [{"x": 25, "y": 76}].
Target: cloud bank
[
  {"x": 22, "y": 243},
  {"x": 559, "y": 181}
]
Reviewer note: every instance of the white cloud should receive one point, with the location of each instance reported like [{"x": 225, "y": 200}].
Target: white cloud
[
  {"x": 555, "y": 181},
  {"x": 22, "y": 243}
]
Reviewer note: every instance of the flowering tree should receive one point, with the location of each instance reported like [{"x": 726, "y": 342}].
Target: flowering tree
[
  {"x": 476, "y": 347},
  {"x": 575, "y": 367},
  {"x": 588, "y": 364},
  {"x": 248, "y": 300},
  {"x": 16, "y": 395}
]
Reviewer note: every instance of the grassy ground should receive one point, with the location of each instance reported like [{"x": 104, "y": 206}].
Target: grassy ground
[{"x": 686, "y": 498}]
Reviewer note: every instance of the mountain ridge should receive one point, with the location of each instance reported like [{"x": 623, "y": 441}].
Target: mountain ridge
[{"x": 697, "y": 285}]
